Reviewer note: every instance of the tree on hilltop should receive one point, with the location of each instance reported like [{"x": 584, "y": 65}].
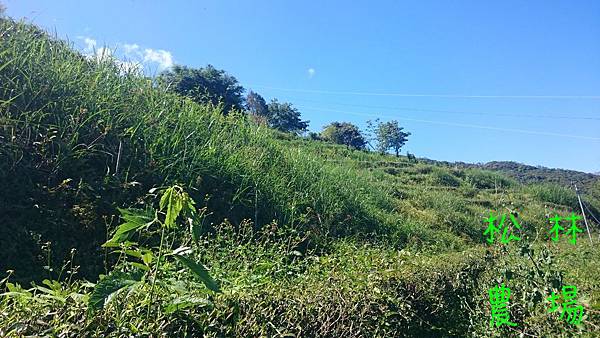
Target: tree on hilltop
[
  {"x": 344, "y": 133},
  {"x": 389, "y": 135},
  {"x": 285, "y": 117},
  {"x": 205, "y": 85},
  {"x": 256, "y": 104}
]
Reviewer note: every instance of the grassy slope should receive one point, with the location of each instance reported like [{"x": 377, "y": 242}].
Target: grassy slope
[
  {"x": 365, "y": 244},
  {"x": 532, "y": 174}
]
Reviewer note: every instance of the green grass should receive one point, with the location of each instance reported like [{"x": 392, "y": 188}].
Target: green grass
[
  {"x": 306, "y": 238},
  {"x": 554, "y": 193},
  {"x": 81, "y": 138}
]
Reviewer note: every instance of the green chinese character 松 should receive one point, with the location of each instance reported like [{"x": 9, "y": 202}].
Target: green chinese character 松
[{"x": 492, "y": 229}]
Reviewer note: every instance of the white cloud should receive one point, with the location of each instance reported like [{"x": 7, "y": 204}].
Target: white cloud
[
  {"x": 103, "y": 53},
  {"x": 311, "y": 72},
  {"x": 90, "y": 43},
  {"x": 92, "y": 51},
  {"x": 133, "y": 57},
  {"x": 160, "y": 56},
  {"x": 128, "y": 56},
  {"x": 131, "y": 48}
]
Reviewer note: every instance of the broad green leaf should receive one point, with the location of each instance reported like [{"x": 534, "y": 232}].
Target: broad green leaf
[
  {"x": 111, "y": 244},
  {"x": 136, "y": 215},
  {"x": 147, "y": 257},
  {"x": 134, "y": 220},
  {"x": 44, "y": 290},
  {"x": 54, "y": 285},
  {"x": 188, "y": 202},
  {"x": 200, "y": 271},
  {"x": 173, "y": 203},
  {"x": 79, "y": 297},
  {"x": 17, "y": 289},
  {"x": 165, "y": 199},
  {"x": 140, "y": 266},
  {"x": 55, "y": 297},
  {"x": 108, "y": 286},
  {"x": 134, "y": 253}
]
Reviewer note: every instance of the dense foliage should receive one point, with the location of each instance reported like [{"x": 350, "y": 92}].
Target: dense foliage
[
  {"x": 389, "y": 136},
  {"x": 344, "y": 133},
  {"x": 256, "y": 104},
  {"x": 205, "y": 85},
  {"x": 283, "y": 116}
]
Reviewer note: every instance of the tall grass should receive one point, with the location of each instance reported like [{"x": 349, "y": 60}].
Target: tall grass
[
  {"x": 81, "y": 136},
  {"x": 485, "y": 179},
  {"x": 553, "y": 193}
]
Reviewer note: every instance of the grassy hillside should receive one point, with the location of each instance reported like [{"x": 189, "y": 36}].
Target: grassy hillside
[
  {"x": 304, "y": 238},
  {"x": 533, "y": 174}
]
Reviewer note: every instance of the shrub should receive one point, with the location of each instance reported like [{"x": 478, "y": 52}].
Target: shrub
[
  {"x": 483, "y": 179},
  {"x": 554, "y": 193},
  {"x": 443, "y": 177}
]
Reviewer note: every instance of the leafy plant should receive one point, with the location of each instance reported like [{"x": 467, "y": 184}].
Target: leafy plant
[
  {"x": 108, "y": 287},
  {"x": 176, "y": 208}
]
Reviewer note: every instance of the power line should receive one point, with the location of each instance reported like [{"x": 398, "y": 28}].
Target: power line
[
  {"x": 591, "y": 214},
  {"x": 524, "y": 131},
  {"x": 583, "y": 213},
  {"x": 451, "y": 96},
  {"x": 454, "y": 111}
]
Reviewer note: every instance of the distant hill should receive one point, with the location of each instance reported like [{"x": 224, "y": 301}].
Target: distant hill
[{"x": 531, "y": 174}]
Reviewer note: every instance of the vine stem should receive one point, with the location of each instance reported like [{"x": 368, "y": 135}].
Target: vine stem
[{"x": 162, "y": 237}]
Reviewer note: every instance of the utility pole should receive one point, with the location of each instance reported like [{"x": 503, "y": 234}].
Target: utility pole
[{"x": 583, "y": 213}]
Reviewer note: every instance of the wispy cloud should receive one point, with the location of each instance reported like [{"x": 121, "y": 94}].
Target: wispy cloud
[
  {"x": 163, "y": 58},
  {"x": 311, "y": 73},
  {"x": 131, "y": 48},
  {"x": 90, "y": 43},
  {"x": 130, "y": 55}
]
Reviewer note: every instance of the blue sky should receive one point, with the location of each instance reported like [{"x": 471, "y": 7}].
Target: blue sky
[{"x": 473, "y": 81}]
